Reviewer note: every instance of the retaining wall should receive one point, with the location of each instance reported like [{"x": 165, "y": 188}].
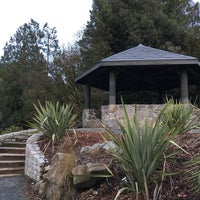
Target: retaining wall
[
  {"x": 13, "y": 135},
  {"x": 35, "y": 159},
  {"x": 110, "y": 114},
  {"x": 90, "y": 118}
]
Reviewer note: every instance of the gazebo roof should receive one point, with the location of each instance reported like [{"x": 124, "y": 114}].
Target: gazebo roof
[
  {"x": 144, "y": 68},
  {"x": 144, "y": 53}
]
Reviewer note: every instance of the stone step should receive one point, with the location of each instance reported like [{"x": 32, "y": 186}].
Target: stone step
[
  {"x": 12, "y": 170},
  {"x": 14, "y": 150},
  {"x": 18, "y": 138},
  {"x": 11, "y": 156},
  {"x": 15, "y": 140},
  {"x": 12, "y": 163},
  {"x": 10, "y": 175},
  {"x": 13, "y": 144}
]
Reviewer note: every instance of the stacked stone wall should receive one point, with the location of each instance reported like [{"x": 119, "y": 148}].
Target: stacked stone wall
[
  {"x": 91, "y": 118},
  {"x": 110, "y": 114},
  {"x": 14, "y": 135},
  {"x": 35, "y": 160}
]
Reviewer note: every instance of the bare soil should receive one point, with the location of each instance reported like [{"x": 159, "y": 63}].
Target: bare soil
[{"x": 174, "y": 187}]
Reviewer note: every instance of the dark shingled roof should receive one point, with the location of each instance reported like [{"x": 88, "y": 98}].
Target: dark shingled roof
[
  {"x": 144, "y": 68},
  {"x": 142, "y": 52}
]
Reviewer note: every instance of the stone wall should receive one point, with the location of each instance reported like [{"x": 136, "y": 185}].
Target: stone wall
[
  {"x": 91, "y": 118},
  {"x": 110, "y": 114},
  {"x": 35, "y": 159},
  {"x": 12, "y": 136}
]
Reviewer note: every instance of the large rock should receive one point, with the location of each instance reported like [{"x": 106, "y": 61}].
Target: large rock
[
  {"x": 86, "y": 176},
  {"x": 58, "y": 181},
  {"x": 96, "y": 168},
  {"x": 92, "y": 150},
  {"x": 81, "y": 177},
  {"x": 99, "y": 148}
]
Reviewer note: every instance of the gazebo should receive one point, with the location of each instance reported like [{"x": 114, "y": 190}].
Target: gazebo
[{"x": 142, "y": 68}]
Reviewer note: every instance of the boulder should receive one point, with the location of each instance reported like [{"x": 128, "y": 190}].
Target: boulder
[
  {"x": 80, "y": 174},
  {"x": 99, "y": 148},
  {"x": 92, "y": 150},
  {"x": 96, "y": 168},
  {"x": 86, "y": 176},
  {"x": 40, "y": 187},
  {"x": 109, "y": 147},
  {"x": 58, "y": 181}
]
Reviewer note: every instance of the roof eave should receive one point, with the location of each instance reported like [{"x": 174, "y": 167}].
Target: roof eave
[
  {"x": 150, "y": 62},
  {"x": 87, "y": 72},
  {"x": 138, "y": 63}
]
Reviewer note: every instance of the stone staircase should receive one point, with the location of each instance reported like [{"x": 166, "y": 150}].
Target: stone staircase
[{"x": 12, "y": 156}]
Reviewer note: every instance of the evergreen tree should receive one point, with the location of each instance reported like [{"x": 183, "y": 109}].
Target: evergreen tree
[
  {"x": 116, "y": 25},
  {"x": 65, "y": 88},
  {"x": 95, "y": 41},
  {"x": 25, "y": 72}
]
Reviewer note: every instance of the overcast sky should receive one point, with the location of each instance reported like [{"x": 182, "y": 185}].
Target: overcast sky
[{"x": 68, "y": 16}]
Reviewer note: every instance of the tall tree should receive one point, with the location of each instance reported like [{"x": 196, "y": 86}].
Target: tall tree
[
  {"x": 185, "y": 15},
  {"x": 50, "y": 47},
  {"x": 25, "y": 72},
  {"x": 95, "y": 42},
  {"x": 69, "y": 68},
  {"x": 116, "y": 25}
]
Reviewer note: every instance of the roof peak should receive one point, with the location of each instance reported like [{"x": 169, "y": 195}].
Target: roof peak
[
  {"x": 142, "y": 52},
  {"x": 140, "y": 45}
]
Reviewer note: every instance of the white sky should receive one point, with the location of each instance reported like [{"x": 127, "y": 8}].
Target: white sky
[{"x": 68, "y": 16}]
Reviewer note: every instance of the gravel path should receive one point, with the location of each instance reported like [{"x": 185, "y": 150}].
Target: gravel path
[{"x": 11, "y": 188}]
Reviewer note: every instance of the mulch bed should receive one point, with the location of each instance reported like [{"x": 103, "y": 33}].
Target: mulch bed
[{"x": 174, "y": 188}]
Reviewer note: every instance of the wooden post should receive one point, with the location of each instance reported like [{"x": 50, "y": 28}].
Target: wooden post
[
  {"x": 198, "y": 95},
  {"x": 184, "y": 86},
  {"x": 160, "y": 96},
  {"x": 112, "y": 88},
  {"x": 87, "y": 96}
]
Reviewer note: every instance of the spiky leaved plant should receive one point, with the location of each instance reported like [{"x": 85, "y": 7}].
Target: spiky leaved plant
[
  {"x": 194, "y": 172},
  {"x": 178, "y": 116},
  {"x": 142, "y": 149},
  {"x": 53, "y": 119}
]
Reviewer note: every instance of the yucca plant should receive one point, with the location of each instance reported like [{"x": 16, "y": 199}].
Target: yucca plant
[
  {"x": 178, "y": 116},
  {"x": 142, "y": 149},
  {"x": 53, "y": 119},
  {"x": 194, "y": 172}
]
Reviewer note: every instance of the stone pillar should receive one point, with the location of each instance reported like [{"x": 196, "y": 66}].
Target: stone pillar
[
  {"x": 90, "y": 119},
  {"x": 87, "y": 96},
  {"x": 184, "y": 86},
  {"x": 112, "y": 88}
]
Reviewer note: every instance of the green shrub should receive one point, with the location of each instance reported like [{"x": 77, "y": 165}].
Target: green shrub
[
  {"x": 142, "y": 148},
  {"x": 194, "y": 172},
  {"x": 178, "y": 116},
  {"x": 53, "y": 119}
]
